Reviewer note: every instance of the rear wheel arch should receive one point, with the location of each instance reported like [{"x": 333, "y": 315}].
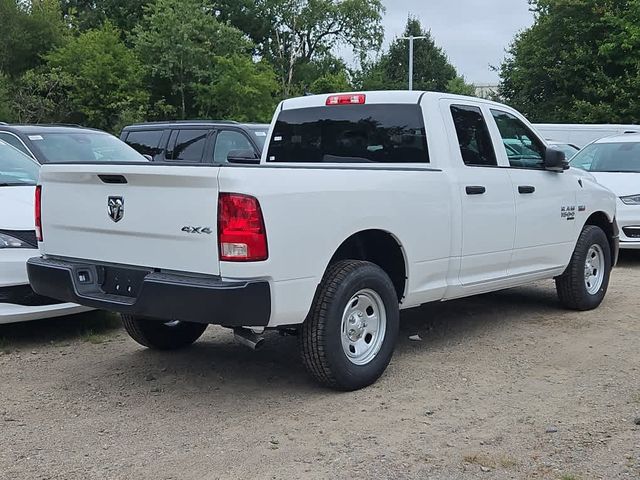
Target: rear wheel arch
[{"x": 381, "y": 248}]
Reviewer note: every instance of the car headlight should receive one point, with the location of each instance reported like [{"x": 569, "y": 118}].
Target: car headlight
[
  {"x": 631, "y": 199},
  {"x": 7, "y": 241}
]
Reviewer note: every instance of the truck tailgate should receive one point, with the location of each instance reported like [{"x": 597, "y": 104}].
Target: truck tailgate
[{"x": 154, "y": 216}]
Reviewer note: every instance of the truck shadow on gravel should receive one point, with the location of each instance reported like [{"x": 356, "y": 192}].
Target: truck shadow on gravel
[
  {"x": 92, "y": 327},
  {"x": 629, "y": 258},
  {"x": 217, "y": 362}
]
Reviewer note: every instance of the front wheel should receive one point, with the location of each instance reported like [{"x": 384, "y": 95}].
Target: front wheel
[
  {"x": 348, "y": 338},
  {"x": 584, "y": 283},
  {"x": 161, "y": 335}
]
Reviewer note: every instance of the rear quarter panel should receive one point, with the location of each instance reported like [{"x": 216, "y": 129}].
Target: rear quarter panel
[{"x": 309, "y": 212}]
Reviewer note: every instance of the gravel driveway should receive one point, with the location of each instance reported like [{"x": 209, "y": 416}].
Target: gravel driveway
[{"x": 504, "y": 385}]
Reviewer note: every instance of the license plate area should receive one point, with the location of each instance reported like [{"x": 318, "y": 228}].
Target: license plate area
[{"x": 125, "y": 282}]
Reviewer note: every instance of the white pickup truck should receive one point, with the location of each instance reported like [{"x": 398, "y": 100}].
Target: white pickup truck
[{"x": 362, "y": 205}]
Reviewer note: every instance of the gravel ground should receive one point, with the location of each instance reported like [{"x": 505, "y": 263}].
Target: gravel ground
[{"x": 504, "y": 385}]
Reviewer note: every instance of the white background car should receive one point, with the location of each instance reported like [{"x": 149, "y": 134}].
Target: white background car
[
  {"x": 581, "y": 134},
  {"x": 615, "y": 163},
  {"x": 18, "y": 302}
]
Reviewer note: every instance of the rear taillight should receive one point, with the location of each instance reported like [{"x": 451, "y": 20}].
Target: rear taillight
[
  {"x": 241, "y": 233},
  {"x": 347, "y": 99},
  {"x": 38, "y": 214}
]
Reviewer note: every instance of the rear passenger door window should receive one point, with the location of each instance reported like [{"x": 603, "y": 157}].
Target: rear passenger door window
[
  {"x": 146, "y": 142},
  {"x": 228, "y": 140},
  {"x": 474, "y": 139},
  {"x": 524, "y": 149},
  {"x": 189, "y": 145}
]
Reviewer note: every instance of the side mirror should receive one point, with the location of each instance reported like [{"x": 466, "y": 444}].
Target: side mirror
[
  {"x": 148, "y": 157},
  {"x": 555, "y": 160},
  {"x": 243, "y": 156}
]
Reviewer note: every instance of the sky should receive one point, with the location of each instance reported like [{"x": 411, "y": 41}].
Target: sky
[{"x": 473, "y": 33}]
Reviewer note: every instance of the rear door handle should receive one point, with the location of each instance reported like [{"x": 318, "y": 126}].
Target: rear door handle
[
  {"x": 475, "y": 190},
  {"x": 526, "y": 189}
]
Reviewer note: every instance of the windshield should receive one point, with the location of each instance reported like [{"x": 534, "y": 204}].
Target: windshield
[
  {"x": 566, "y": 148},
  {"x": 16, "y": 168},
  {"x": 609, "y": 157},
  {"x": 260, "y": 136},
  {"x": 84, "y": 147}
]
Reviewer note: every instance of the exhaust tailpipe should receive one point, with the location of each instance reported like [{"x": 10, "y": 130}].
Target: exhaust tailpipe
[{"x": 248, "y": 338}]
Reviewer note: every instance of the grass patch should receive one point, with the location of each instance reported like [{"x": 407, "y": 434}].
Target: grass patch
[
  {"x": 568, "y": 476},
  {"x": 506, "y": 462},
  {"x": 488, "y": 461},
  {"x": 100, "y": 329},
  {"x": 93, "y": 337},
  {"x": 480, "y": 459}
]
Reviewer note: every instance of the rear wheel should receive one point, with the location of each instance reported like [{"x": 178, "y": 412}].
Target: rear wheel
[
  {"x": 161, "y": 335},
  {"x": 584, "y": 283},
  {"x": 348, "y": 338}
]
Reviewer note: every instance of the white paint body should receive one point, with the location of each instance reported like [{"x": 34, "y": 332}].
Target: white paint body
[
  {"x": 16, "y": 213},
  {"x": 454, "y": 244}
]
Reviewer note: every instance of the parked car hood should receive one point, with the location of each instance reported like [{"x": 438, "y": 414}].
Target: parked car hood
[
  {"x": 17, "y": 208},
  {"x": 622, "y": 184}
]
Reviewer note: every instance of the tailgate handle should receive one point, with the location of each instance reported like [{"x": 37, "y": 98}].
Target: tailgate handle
[{"x": 113, "y": 178}]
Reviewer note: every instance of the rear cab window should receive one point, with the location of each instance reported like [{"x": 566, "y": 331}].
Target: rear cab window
[{"x": 369, "y": 133}]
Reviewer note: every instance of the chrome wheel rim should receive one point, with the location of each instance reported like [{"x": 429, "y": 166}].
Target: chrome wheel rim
[
  {"x": 364, "y": 324},
  {"x": 594, "y": 269}
]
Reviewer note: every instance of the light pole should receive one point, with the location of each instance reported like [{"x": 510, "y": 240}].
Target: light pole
[{"x": 411, "y": 39}]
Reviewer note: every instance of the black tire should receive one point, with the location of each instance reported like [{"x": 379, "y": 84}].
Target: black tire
[
  {"x": 321, "y": 336},
  {"x": 161, "y": 335},
  {"x": 571, "y": 286}
]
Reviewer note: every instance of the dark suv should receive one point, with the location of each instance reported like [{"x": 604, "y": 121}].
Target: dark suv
[
  {"x": 197, "y": 141},
  {"x": 67, "y": 143}
]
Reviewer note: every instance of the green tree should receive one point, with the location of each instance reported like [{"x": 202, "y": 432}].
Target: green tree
[
  {"x": 6, "y": 112},
  {"x": 331, "y": 82},
  {"x": 42, "y": 96},
  {"x": 292, "y": 33},
  {"x": 28, "y": 29},
  {"x": 105, "y": 77},
  {"x": 238, "y": 89},
  {"x": 431, "y": 68},
  {"x": 459, "y": 86},
  {"x": 579, "y": 62},
  {"x": 91, "y": 14},
  {"x": 178, "y": 41}
]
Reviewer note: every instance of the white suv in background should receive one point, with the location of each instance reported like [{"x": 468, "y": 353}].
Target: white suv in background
[
  {"x": 18, "y": 302},
  {"x": 615, "y": 163}
]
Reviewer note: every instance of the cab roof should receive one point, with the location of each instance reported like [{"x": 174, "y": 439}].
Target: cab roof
[{"x": 378, "y": 97}]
